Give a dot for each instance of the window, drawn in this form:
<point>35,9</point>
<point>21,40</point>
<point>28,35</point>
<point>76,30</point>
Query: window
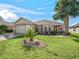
<point>49,29</point>
<point>45,28</point>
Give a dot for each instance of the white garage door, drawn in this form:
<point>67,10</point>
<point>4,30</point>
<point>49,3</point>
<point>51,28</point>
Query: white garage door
<point>22,28</point>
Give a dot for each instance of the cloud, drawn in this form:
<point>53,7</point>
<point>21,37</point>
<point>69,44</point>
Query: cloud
<point>8,12</point>
<point>8,15</point>
<point>16,9</point>
<point>74,23</point>
<point>49,3</point>
<point>39,9</point>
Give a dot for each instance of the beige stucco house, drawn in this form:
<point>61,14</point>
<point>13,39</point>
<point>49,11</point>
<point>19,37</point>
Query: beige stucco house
<point>22,25</point>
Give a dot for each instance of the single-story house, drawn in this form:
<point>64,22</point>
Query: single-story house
<point>22,25</point>
<point>74,28</point>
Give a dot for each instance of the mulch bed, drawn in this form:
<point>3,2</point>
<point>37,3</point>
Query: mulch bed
<point>34,43</point>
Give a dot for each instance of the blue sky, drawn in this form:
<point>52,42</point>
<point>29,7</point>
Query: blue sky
<point>33,10</point>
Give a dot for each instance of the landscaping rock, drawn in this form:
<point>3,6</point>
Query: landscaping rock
<point>34,43</point>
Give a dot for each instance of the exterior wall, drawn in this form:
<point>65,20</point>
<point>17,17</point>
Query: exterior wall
<point>74,30</point>
<point>33,26</point>
<point>71,30</point>
<point>62,26</point>
<point>43,27</point>
<point>47,26</point>
<point>77,30</point>
<point>10,27</point>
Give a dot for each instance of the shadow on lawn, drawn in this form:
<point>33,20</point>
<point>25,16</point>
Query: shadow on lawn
<point>76,38</point>
<point>26,48</point>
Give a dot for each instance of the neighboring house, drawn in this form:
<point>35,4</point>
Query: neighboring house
<point>9,25</point>
<point>74,28</point>
<point>22,25</point>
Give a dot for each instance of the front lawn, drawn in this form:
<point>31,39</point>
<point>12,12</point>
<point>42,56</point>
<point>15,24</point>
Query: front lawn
<point>58,48</point>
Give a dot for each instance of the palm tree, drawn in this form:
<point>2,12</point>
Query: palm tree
<point>64,9</point>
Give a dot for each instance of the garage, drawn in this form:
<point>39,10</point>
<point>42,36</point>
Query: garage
<point>22,28</point>
<point>22,25</point>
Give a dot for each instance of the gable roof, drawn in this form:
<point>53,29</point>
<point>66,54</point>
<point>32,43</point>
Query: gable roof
<point>21,18</point>
<point>41,22</point>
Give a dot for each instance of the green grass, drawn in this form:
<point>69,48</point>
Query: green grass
<point>58,48</point>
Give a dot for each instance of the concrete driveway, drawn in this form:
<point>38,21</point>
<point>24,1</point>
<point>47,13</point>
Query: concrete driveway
<point>9,35</point>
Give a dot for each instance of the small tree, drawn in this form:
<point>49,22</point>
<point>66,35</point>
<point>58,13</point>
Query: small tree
<point>31,33</point>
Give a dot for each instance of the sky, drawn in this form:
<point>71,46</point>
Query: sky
<point>32,10</point>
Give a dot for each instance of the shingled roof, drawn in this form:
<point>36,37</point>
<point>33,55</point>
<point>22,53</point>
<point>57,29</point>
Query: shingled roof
<point>47,22</point>
<point>76,25</point>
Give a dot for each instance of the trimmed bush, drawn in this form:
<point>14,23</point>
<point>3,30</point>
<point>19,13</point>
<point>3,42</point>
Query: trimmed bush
<point>53,32</point>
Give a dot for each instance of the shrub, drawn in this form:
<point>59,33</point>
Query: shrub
<point>53,32</point>
<point>3,29</point>
<point>31,33</point>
